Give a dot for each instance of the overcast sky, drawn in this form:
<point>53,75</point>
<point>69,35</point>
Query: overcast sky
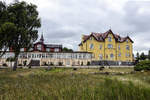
<point>64,21</point>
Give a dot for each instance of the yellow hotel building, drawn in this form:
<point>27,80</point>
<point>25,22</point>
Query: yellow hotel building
<point>108,46</point>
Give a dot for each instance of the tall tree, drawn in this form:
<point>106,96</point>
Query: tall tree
<point>142,56</point>
<point>18,27</point>
<point>137,56</point>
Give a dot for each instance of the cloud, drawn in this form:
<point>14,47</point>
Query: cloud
<point>64,21</point>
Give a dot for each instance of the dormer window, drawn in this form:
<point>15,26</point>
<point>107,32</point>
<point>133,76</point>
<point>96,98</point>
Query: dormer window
<point>90,38</point>
<point>109,38</point>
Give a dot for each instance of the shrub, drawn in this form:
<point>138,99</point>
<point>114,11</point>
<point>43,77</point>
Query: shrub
<point>19,64</point>
<point>29,67</point>
<point>142,65</point>
<point>45,64</point>
<point>81,63</point>
<point>5,64</point>
<point>51,64</point>
<point>101,68</point>
<point>74,69</point>
<point>25,63</point>
<point>88,63</point>
<point>60,63</point>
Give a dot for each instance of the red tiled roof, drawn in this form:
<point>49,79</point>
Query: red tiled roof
<point>102,36</point>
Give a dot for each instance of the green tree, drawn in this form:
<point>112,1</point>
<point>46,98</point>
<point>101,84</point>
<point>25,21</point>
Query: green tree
<point>137,56</point>
<point>65,49</point>
<point>142,56</point>
<point>18,27</point>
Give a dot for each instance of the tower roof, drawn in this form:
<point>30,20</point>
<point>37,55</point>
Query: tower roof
<point>42,38</point>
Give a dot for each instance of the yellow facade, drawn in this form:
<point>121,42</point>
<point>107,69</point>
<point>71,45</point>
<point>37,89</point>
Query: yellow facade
<point>110,49</point>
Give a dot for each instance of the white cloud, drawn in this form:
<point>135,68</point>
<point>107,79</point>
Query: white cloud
<point>64,21</point>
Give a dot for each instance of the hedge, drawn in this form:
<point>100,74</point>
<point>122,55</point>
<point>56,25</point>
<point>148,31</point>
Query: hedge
<point>142,65</point>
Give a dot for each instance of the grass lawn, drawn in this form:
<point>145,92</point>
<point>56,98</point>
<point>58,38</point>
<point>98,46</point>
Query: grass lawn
<point>67,84</point>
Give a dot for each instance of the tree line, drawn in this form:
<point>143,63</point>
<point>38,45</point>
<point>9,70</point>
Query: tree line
<point>143,56</point>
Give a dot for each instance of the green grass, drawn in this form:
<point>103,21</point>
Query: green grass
<point>66,84</point>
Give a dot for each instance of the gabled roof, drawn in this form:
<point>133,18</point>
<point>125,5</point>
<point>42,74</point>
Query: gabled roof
<point>101,37</point>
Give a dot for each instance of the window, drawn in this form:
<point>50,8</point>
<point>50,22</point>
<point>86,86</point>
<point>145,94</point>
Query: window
<point>111,56</point>
<point>127,41</point>
<point>39,47</point>
<point>91,46</point>
<point>106,56</point>
<point>127,47</point>
<point>118,47</point>
<point>100,56</point>
<point>110,46</point>
<point>119,55</point>
<point>56,49</point>
<point>100,46</point>
<point>127,55</point>
<point>109,38</point>
<point>48,49</point>
<point>90,38</point>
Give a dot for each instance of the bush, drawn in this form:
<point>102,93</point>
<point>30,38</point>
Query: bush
<point>60,63</point>
<point>74,69</point>
<point>81,63</point>
<point>51,64</point>
<point>19,64</point>
<point>45,64</point>
<point>88,63</point>
<point>143,65</point>
<point>29,67</point>
<point>5,65</point>
<point>101,68</point>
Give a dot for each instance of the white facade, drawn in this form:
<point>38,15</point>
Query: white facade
<point>67,58</point>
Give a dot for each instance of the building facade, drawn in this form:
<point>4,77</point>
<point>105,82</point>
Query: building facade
<point>108,46</point>
<point>42,54</point>
<point>42,47</point>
